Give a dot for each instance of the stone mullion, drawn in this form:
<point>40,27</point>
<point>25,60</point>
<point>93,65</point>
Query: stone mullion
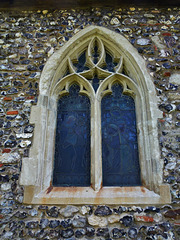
<point>96,152</point>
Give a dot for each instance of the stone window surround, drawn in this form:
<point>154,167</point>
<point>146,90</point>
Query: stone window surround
<point>36,173</point>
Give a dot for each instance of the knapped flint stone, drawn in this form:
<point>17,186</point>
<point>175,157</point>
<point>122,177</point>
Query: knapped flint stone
<point>44,223</point>
<point>5,186</point>
<point>151,209</point>
<point>67,233</point>
<point>12,91</point>
<point>31,92</point>
<point>103,211</point>
<point>7,235</point>
<point>42,207</point>
<point>170,166</point>
<point>1,123</point>
<point>166,107</point>
<point>66,223</point>
<point>5,211</point>
<point>132,233</point>
<point>28,35</point>
<point>4,178</point>
<point>170,179</point>
<point>71,238</point>
<point>24,135</point>
<point>41,234</point>
<point>85,210</point>
<point>33,212</point>
<point>170,41</point>
<point>31,233</point>
<point>79,221</point>
<point>178,179</point>
<point>69,211</point>
<point>151,230</point>
<point>10,144</point>
<point>178,231</point>
<point>166,65</point>
<point>178,116</point>
<point>10,117</point>
<point>40,35</point>
<point>18,84</point>
<point>129,21</point>
<point>10,157</point>
<point>135,209</point>
<point>7,203</point>
<point>177,124</point>
<point>151,67</point>
<point>143,41</point>
<point>143,230</point>
<point>19,99</point>
<point>102,232</point>
<point>32,224</point>
<point>79,233</point>
<point>54,223</point>
<point>173,214</point>
<point>21,214</point>
<point>117,233</point>
<point>126,220</point>
<point>113,218</point>
<point>90,231</point>
<point>53,234</point>
<point>7,124</point>
<point>7,131</point>
<point>52,212</point>
<point>177,58</point>
<point>26,61</point>
<point>114,21</point>
<point>31,68</point>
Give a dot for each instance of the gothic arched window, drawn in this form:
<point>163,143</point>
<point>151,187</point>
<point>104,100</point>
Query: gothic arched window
<point>118,142</point>
<point>97,118</point>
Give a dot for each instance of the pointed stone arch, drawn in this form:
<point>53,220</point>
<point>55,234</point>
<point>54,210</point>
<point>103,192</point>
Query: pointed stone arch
<point>36,174</point>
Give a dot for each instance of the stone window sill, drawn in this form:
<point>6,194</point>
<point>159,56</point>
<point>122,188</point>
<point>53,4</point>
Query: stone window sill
<point>106,195</point>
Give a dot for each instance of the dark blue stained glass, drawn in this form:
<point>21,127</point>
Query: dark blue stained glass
<point>72,147</point>
<point>81,64</point>
<point>120,159</point>
<point>95,82</point>
<point>110,63</point>
<point>95,54</point>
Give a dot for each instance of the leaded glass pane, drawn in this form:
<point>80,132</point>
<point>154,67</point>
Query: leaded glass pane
<point>72,147</point>
<point>119,140</point>
<point>110,64</point>
<point>81,63</point>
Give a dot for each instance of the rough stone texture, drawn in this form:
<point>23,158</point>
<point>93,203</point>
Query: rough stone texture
<point>69,211</point>
<point>28,39</point>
